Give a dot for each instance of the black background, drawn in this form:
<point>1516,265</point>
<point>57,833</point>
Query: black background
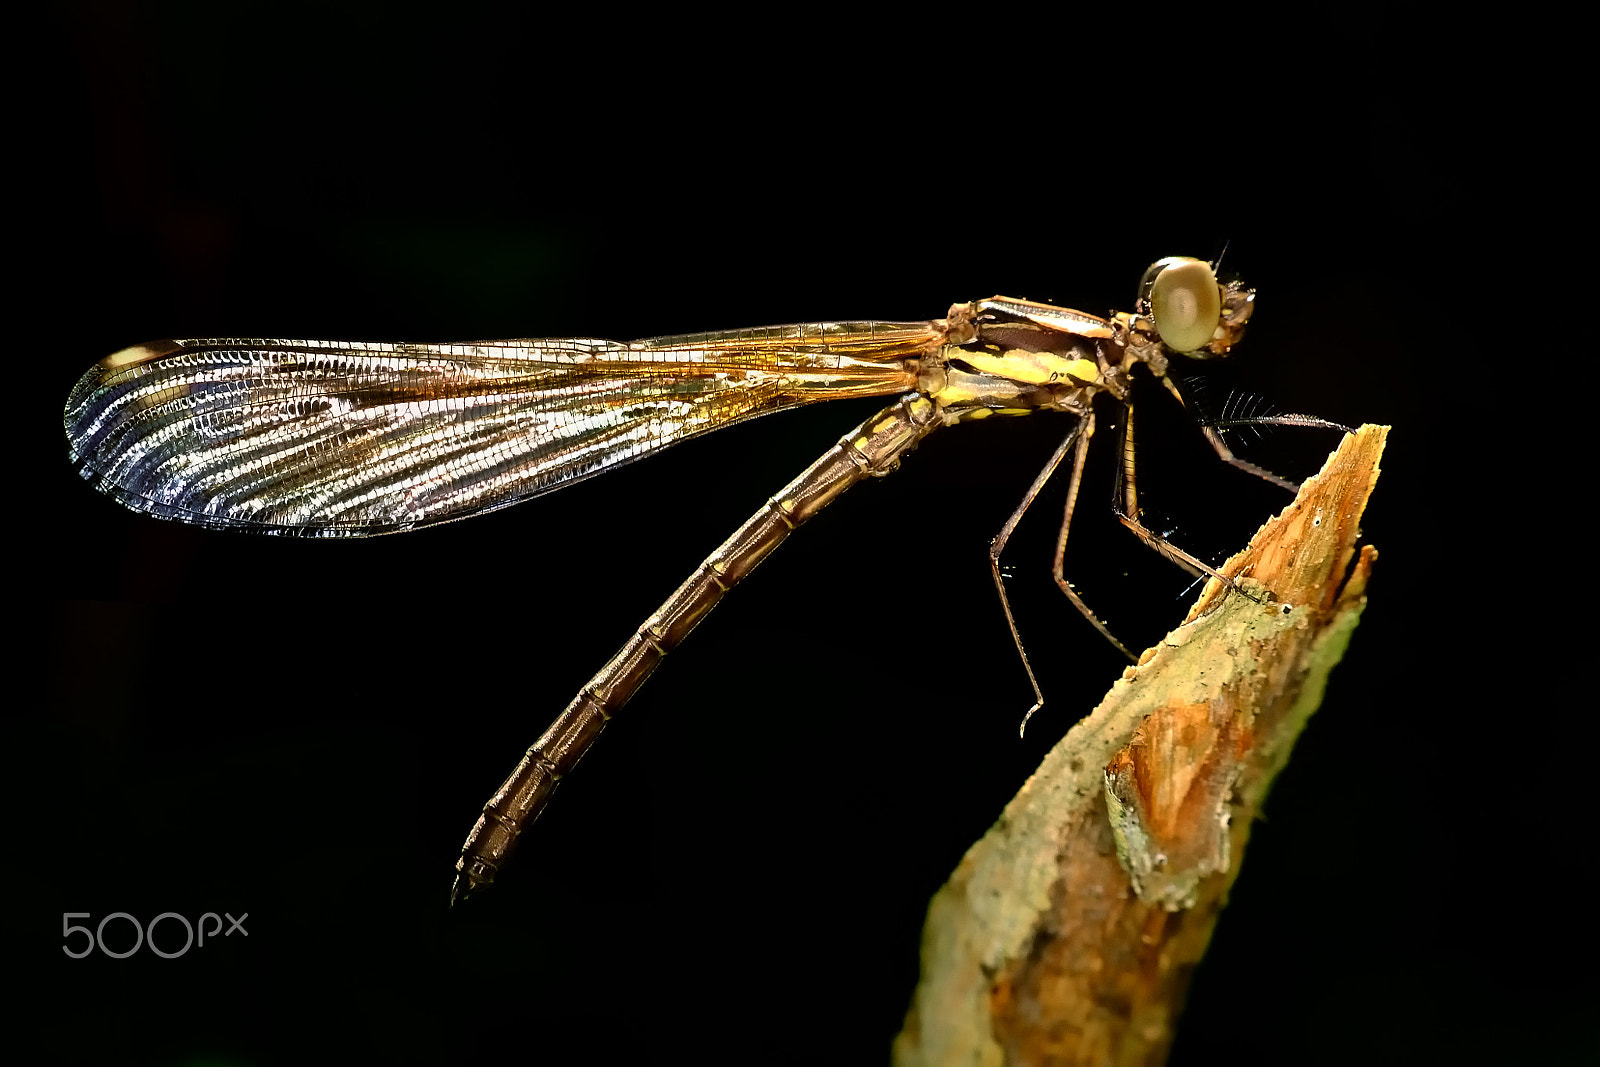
<point>305,731</point>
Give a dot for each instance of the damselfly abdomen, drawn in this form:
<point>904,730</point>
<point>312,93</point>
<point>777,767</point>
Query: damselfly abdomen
<point>343,439</point>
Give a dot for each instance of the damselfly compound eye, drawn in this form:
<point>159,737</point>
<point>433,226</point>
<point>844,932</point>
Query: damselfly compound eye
<point>1185,303</point>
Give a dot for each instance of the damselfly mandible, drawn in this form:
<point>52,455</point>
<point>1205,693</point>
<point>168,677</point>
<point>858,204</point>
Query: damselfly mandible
<point>344,439</point>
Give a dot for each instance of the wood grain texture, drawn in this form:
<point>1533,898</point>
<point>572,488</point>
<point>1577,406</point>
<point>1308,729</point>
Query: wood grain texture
<point>1069,933</point>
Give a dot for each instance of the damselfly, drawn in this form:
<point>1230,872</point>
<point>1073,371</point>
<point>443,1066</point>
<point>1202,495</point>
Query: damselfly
<point>345,439</point>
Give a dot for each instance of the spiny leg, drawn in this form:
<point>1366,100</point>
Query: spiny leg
<point>1081,432</point>
<point>1209,428</point>
<point>1125,504</point>
<point>1059,569</point>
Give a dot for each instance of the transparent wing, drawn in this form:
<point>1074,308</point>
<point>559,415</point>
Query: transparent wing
<point>325,438</point>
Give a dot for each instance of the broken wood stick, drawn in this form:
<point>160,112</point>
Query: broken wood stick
<point>1069,932</point>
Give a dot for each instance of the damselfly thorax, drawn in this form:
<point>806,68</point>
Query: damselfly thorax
<point>346,439</point>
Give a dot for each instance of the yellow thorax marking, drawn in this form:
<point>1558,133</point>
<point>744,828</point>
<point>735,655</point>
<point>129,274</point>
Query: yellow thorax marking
<point>1033,368</point>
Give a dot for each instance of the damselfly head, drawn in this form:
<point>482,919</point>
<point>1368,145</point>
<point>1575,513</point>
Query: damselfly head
<point>1190,311</point>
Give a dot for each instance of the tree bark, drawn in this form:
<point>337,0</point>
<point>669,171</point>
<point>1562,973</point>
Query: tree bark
<point>1069,933</point>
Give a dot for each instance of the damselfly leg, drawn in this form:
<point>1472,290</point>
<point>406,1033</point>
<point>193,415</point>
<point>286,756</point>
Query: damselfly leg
<point>1081,433</point>
<point>1125,506</point>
